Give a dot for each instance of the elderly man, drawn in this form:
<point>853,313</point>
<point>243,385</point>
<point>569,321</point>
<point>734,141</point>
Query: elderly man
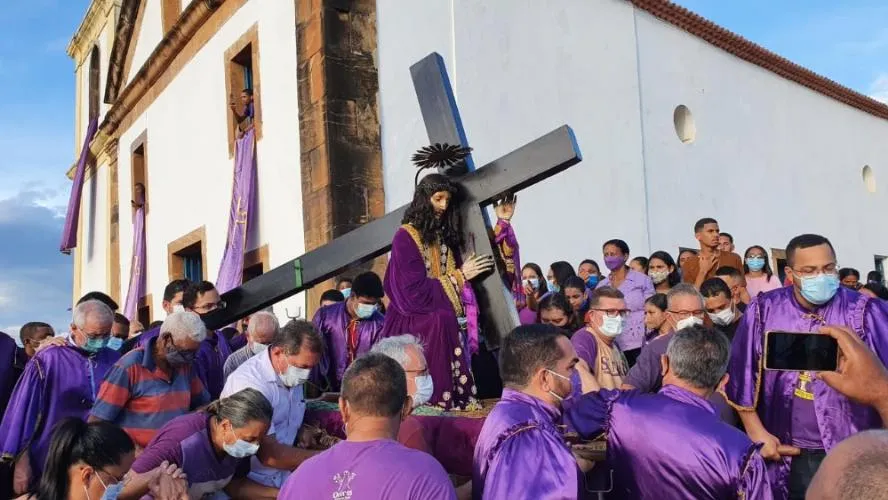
<point>155,383</point>
<point>370,464</point>
<point>795,414</point>
<point>261,330</point>
<point>349,328</point>
<point>672,443</point>
<point>203,298</point>
<point>279,374</point>
<point>58,382</point>
<point>595,343</point>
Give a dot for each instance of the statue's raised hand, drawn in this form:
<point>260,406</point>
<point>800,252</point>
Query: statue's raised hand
<point>505,206</point>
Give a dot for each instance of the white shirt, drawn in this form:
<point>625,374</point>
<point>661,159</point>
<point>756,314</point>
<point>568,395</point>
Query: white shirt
<point>288,406</point>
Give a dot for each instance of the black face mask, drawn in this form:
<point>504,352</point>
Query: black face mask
<point>176,357</point>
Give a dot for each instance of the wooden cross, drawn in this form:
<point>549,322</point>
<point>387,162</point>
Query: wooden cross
<point>526,166</point>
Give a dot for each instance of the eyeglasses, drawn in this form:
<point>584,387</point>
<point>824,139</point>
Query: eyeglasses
<point>811,271</point>
<point>613,313</point>
<point>423,372</point>
<point>211,306</point>
<point>687,314</point>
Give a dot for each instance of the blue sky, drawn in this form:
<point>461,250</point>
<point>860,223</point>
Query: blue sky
<point>846,41</point>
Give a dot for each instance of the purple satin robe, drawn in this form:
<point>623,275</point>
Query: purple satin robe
<point>210,363</point>
<point>420,306</point>
<point>332,322</point>
<point>670,445</point>
<point>521,453</point>
<point>58,382</point>
<point>771,393</point>
<point>12,365</point>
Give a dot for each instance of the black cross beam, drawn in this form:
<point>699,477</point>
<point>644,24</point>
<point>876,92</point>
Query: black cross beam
<point>527,165</point>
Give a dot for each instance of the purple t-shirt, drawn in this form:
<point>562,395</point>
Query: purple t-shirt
<point>370,470</point>
<point>185,441</point>
<point>805,432</point>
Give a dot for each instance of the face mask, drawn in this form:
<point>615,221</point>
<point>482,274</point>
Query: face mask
<point>111,492</point>
<point>258,348</point>
<point>658,276</point>
<point>556,396</point>
<point>755,263</point>
<point>688,322</point>
<point>294,376</point>
<point>364,311</point>
<point>611,327</point>
<point>819,289</point>
<point>115,343</point>
<point>723,317</point>
<point>533,282</point>
<point>346,292</point>
<point>176,357</point>
<point>614,263</point>
<point>94,344</point>
<point>240,448</point>
<point>178,308</point>
<point>553,287</point>
<point>424,389</point>
<point>591,282</point>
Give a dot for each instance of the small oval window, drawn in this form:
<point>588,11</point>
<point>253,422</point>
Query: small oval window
<point>684,124</point>
<point>869,179</point>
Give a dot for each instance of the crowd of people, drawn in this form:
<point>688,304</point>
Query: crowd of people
<point>659,360</point>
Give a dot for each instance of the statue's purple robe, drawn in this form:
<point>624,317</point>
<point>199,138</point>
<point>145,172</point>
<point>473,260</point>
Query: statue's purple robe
<point>332,322</point>
<point>58,382</point>
<point>521,453</point>
<point>670,445</point>
<point>420,306</point>
<point>770,393</point>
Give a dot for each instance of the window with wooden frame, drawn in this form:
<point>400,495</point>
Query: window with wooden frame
<point>187,256</point>
<point>255,263</point>
<point>170,11</point>
<point>242,87</point>
<point>139,170</point>
<point>144,313</point>
<point>95,63</point>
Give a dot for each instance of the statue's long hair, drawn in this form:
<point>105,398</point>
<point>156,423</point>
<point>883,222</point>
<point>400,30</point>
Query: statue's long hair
<point>421,214</point>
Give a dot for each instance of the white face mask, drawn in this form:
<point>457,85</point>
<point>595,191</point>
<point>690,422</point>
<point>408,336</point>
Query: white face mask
<point>178,308</point>
<point>611,326</point>
<point>258,348</point>
<point>658,276</point>
<point>294,376</point>
<point>424,389</point>
<point>723,317</point>
<point>688,322</point>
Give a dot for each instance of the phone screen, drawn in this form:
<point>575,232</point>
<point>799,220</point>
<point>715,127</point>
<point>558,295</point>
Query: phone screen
<point>796,351</point>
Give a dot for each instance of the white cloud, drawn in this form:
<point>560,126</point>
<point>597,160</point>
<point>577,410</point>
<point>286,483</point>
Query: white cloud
<point>878,90</point>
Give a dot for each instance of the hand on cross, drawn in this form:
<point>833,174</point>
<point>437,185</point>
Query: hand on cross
<point>505,206</point>
<point>476,265</point>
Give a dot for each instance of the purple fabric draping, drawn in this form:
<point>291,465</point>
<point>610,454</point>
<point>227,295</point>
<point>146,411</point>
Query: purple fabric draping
<point>137,267</point>
<point>771,393</point>
<point>451,439</point>
<point>470,304</point>
<point>231,271</point>
<point>72,217</point>
<point>420,306</point>
<point>332,322</point>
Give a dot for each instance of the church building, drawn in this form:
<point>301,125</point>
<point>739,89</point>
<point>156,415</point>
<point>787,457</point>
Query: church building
<point>676,117</point>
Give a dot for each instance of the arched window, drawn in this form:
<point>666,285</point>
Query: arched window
<point>94,72</point>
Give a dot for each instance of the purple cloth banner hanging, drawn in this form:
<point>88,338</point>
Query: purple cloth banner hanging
<point>72,218</point>
<point>137,267</point>
<point>242,203</point>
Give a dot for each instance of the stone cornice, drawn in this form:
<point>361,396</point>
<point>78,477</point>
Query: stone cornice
<point>89,29</point>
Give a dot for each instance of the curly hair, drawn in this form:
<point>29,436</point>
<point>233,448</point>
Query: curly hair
<point>421,214</point>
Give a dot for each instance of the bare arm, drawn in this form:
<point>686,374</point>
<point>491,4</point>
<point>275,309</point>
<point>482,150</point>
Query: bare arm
<point>280,456</point>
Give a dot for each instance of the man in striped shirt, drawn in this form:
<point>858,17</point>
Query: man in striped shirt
<point>155,383</point>
<point>261,330</point>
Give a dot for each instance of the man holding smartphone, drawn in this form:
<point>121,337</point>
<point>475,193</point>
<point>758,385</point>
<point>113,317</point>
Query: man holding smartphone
<point>796,415</point>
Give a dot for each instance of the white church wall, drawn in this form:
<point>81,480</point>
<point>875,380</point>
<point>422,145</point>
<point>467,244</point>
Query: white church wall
<point>93,242</point>
<point>771,158</point>
<point>187,153</point>
<point>150,34</point>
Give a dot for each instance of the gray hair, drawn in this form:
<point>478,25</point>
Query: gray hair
<point>683,289</point>
<point>264,319</point>
<point>184,325</point>
<point>242,407</point>
<point>699,356</point>
<point>396,347</point>
<point>94,309</point>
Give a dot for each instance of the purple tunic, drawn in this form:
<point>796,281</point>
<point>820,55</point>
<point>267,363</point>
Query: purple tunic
<point>332,322</point>
<point>835,416</point>
<point>636,288</point>
<point>420,306</point>
<point>670,445</point>
<point>12,365</point>
<point>369,470</point>
<point>521,453</point>
<point>210,362</point>
<point>58,382</point>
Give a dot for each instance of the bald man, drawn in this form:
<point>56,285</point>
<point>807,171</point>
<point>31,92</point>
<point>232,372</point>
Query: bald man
<point>855,469</point>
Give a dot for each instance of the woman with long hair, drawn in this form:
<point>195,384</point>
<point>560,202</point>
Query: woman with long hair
<point>428,285</point>
<point>555,310</point>
<point>849,278</point>
<point>636,288</point>
<point>575,293</point>
<point>663,271</point>
<point>534,288</point>
<point>759,277</point>
<point>590,272</point>
<point>655,323</point>
<point>558,274</point>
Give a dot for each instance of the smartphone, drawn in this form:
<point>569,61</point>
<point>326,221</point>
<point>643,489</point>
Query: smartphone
<point>800,351</point>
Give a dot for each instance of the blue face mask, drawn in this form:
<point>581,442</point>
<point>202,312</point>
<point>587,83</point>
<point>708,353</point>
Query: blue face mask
<point>112,492</point>
<point>553,287</point>
<point>115,343</point>
<point>755,263</point>
<point>364,311</point>
<point>346,292</point>
<point>94,344</point>
<point>819,289</point>
<point>591,281</point>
